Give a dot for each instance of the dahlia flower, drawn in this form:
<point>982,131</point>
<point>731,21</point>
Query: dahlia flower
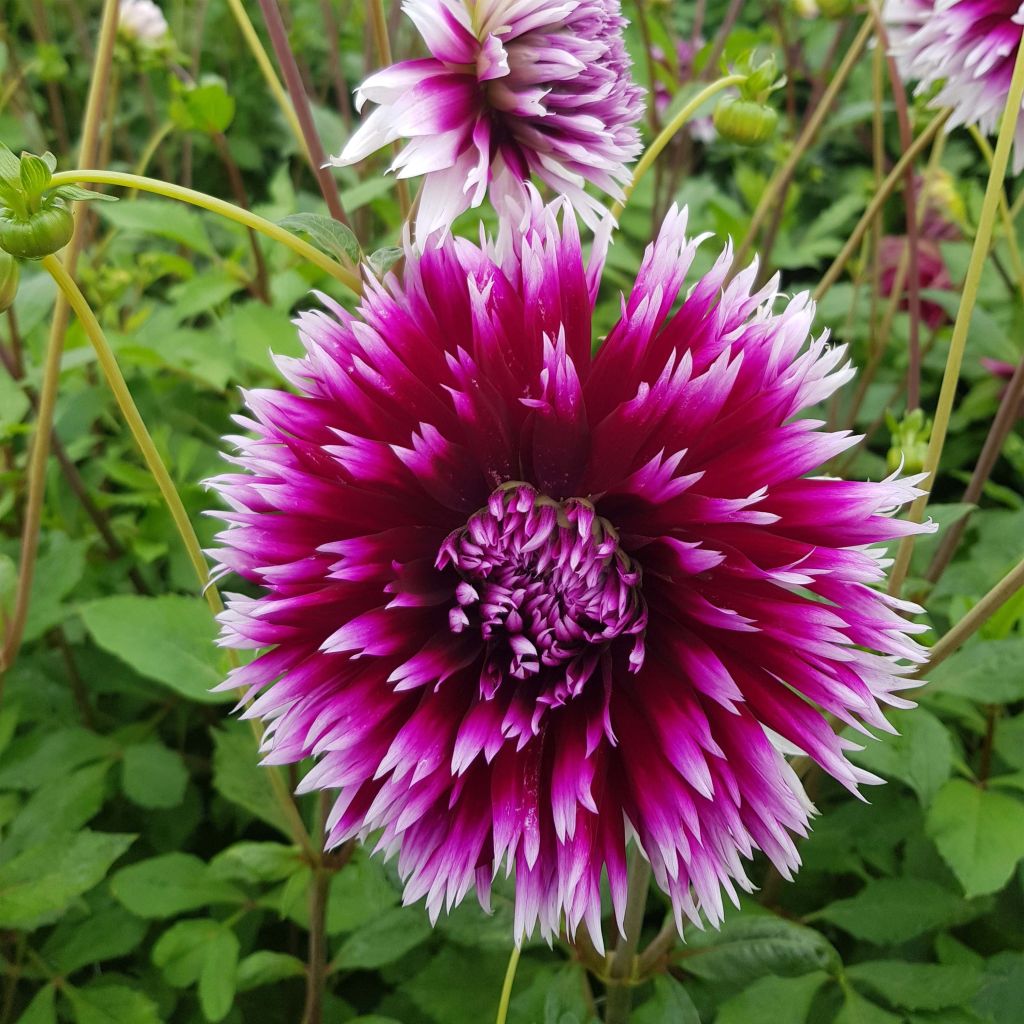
<point>142,20</point>
<point>967,45</point>
<point>524,602</point>
<point>512,88</point>
<point>931,274</point>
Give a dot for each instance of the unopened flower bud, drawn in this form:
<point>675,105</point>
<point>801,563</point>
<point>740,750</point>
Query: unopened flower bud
<point>142,20</point>
<point>9,277</point>
<point>745,122</point>
<point>38,234</point>
<point>909,441</point>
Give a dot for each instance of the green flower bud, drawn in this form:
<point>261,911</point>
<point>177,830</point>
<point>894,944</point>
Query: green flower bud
<point>908,441</point>
<point>9,275</point>
<point>38,234</point>
<point>745,121</point>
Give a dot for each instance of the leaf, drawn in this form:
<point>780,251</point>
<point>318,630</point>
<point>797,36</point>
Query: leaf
<point>779,1000</point>
<point>44,879</point>
<point>267,968</point>
<point>170,884</point>
<point>334,238</point>
<point>670,1002</point>
<point>890,911</point>
<point>748,948</point>
<point>158,217</point>
<point>980,834</point>
<point>42,1009</point>
<point>169,639</point>
<point>239,777</point>
<point>257,862</point>
<point>34,175</point>
<point>58,572</point>
<point>987,671</point>
<point>107,934</point>
<point>43,758</point>
<point>181,951</point>
<point>153,776</point>
<point>918,986</point>
<point>858,1010</point>
<point>111,1004</point>
<point>384,940</point>
<point>217,980</point>
<point>359,894</point>
<point>77,194</point>
<point>10,165</point>
<point>207,108</point>
<point>381,261</point>
<point>921,755</point>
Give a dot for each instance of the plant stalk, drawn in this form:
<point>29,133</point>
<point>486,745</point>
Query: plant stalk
<point>622,966</point>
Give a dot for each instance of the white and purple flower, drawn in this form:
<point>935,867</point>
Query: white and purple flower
<point>968,48</point>
<point>512,90</point>
<point>142,20</point>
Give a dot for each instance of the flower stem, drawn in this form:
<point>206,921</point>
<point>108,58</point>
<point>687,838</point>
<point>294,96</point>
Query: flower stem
<point>244,217</point>
<point>95,103</point>
<point>119,386</point>
<point>780,180</point>
<point>668,133</point>
<point>506,988</point>
<point>1004,211</point>
<point>958,342</point>
<point>878,200</point>
<point>266,66</point>
<point>622,968</point>
<point>1009,585</point>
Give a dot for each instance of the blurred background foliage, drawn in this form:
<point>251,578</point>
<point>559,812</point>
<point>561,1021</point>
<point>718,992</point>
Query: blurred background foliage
<point>146,873</point>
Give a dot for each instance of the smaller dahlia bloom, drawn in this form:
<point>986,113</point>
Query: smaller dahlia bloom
<point>512,89</point>
<point>967,46</point>
<point>931,274</point>
<point>142,20</point>
<point>526,602</point>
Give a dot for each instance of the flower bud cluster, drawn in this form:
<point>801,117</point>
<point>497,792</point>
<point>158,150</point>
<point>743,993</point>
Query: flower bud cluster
<point>747,119</point>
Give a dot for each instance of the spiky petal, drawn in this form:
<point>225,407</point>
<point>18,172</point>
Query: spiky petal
<point>524,602</point>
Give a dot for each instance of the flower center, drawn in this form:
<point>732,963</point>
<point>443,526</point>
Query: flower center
<point>548,587</point>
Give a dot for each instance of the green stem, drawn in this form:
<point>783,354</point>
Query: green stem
<point>144,440</point>
<point>506,988</point>
<point>1009,585</point>
<point>958,342</point>
<point>94,106</point>
<point>266,66</point>
<point>1004,210</point>
<point>244,217</point>
<point>152,146</point>
<point>780,180</point>
<point>878,200</point>
<point>669,132</point>
<point>622,968</point>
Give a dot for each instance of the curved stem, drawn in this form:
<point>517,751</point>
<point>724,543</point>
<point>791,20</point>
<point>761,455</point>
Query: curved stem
<point>780,180</point>
<point>1012,582</point>
<point>958,342</point>
<point>155,141</point>
<point>244,217</point>
<point>266,66</point>
<point>669,131</point>
<point>506,988</point>
<point>877,202</point>
<point>119,386</point>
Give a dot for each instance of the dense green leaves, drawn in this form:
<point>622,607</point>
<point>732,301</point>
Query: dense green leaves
<point>169,885</point>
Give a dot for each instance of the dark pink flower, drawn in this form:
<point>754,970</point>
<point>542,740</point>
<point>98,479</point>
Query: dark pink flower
<point>523,601</point>
<point>968,46</point>
<point>931,273</point>
<point>511,89</point>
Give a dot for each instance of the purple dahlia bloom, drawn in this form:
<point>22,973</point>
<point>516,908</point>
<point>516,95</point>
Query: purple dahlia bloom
<point>511,89</point>
<point>967,45</point>
<point>524,602</point>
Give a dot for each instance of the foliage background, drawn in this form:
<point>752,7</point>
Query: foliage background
<point>146,873</point>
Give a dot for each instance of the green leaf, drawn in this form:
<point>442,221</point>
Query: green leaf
<point>107,934</point>
<point>44,879</point>
<point>111,1004</point>
<point>158,217</point>
<point>267,968</point>
<point>748,948</point>
<point>58,573</point>
<point>921,755</point>
<point>77,194</point>
<point>779,1000</point>
<point>980,834</point>
<point>206,108</point>
<point>153,776</point>
<point>42,1009</point>
<point>890,911</point>
<point>333,237</point>
<point>45,758</point>
<point>381,261</point>
<point>217,980</point>
<point>169,639</point>
<point>10,165</point>
<point>987,671</point>
<point>34,175</point>
<point>918,986</point>
<point>239,777</point>
<point>858,1010</point>
<point>170,884</point>
<point>384,940</point>
<point>359,894</point>
<point>181,951</point>
<point>256,862</point>
<point>670,1002</point>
